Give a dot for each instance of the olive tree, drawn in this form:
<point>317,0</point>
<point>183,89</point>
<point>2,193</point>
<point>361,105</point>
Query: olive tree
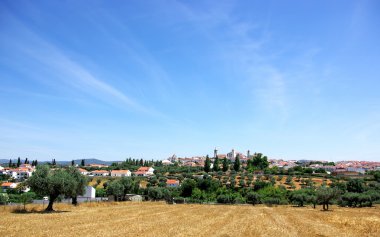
<point>80,184</point>
<point>325,195</point>
<point>52,183</point>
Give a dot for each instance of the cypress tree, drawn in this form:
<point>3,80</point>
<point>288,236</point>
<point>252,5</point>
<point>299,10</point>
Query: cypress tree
<point>207,164</point>
<point>237,163</point>
<point>225,165</point>
<point>216,164</point>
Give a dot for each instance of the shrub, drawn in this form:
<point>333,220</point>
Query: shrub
<point>253,198</point>
<point>269,201</point>
<point>4,198</point>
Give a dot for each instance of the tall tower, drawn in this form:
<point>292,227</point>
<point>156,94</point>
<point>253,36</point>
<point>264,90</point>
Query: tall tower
<point>248,154</point>
<point>215,153</point>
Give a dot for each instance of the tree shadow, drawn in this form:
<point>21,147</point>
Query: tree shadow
<point>33,211</point>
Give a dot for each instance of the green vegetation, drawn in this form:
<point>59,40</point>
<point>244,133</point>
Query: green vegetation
<point>56,182</point>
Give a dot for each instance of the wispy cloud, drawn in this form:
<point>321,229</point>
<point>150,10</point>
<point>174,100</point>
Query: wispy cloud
<point>64,69</point>
<point>131,46</point>
<point>242,44</point>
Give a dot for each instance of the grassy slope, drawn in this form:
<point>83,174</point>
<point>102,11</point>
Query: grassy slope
<point>159,219</point>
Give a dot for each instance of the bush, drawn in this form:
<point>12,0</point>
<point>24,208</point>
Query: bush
<point>269,201</point>
<point>4,198</point>
<point>298,198</point>
<point>260,185</point>
<point>253,198</point>
<point>288,179</point>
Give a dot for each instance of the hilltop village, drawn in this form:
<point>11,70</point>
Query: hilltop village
<point>233,177</point>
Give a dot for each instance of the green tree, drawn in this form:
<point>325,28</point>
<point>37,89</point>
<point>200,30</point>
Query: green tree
<point>225,165</point>
<point>100,192</point>
<point>207,164</point>
<point>82,163</point>
<point>72,163</point>
<point>26,198</point>
<point>237,163</point>
<point>216,164</point>
<point>355,186</point>
<point>10,163</point>
<point>187,187</point>
<point>376,176</point>
<point>298,197</point>
<point>52,183</point>
<point>259,161</point>
<point>80,184</point>
<point>325,195</point>
<point>155,193</point>
<point>128,185</point>
<point>4,198</point>
<point>18,162</point>
<point>116,189</point>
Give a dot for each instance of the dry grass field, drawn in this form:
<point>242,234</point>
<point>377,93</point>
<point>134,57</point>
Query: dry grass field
<point>160,219</point>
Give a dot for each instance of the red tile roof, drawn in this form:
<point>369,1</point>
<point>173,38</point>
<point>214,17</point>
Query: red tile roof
<point>6,184</point>
<point>172,181</point>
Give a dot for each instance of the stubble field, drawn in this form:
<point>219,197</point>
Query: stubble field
<point>160,219</point>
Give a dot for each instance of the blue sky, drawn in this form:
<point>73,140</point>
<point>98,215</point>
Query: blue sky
<point>147,79</point>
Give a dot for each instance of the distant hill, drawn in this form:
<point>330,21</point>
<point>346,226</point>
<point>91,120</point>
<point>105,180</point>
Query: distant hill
<point>77,161</point>
<point>91,161</point>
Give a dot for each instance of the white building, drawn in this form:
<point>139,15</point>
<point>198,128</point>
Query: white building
<point>144,171</point>
<point>231,155</point>
<point>83,171</point>
<point>100,173</point>
<point>167,162</point>
<point>120,173</point>
<point>23,173</point>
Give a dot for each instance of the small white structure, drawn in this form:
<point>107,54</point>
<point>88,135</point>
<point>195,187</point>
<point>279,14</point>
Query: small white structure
<point>120,173</point>
<point>1,168</point>
<point>136,198</point>
<point>89,194</point>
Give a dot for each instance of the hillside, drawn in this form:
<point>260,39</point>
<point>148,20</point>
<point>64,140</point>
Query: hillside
<point>159,219</point>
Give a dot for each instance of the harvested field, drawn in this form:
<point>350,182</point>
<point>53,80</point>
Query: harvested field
<point>160,219</point>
